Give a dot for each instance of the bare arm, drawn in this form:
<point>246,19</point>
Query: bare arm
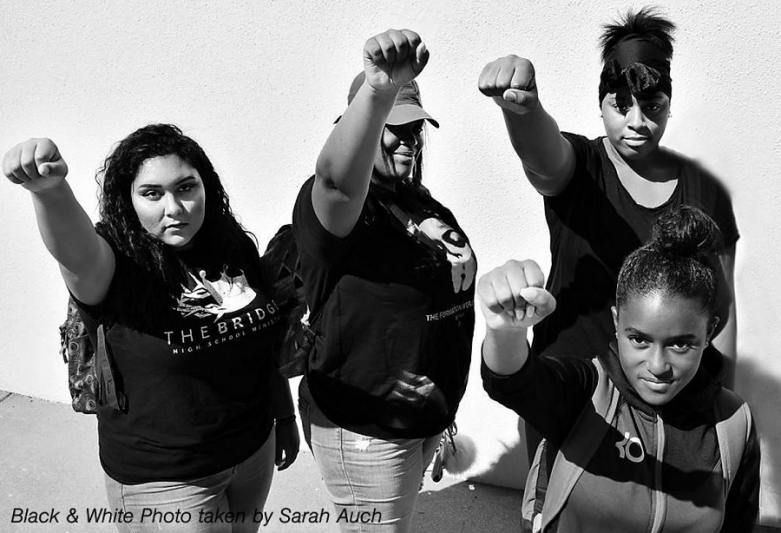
<point>86,260</point>
<point>726,341</point>
<point>287,437</point>
<point>547,157</point>
<point>344,167</point>
<point>512,300</point>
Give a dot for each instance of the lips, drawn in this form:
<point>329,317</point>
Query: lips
<point>656,385</point>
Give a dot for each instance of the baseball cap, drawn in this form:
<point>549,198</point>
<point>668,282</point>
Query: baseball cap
<point>407,107</point>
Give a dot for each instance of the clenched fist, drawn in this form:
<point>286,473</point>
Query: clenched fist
<point>510,81</point>
<point>512,296</point>
<point>35,164</point>
<point>393,58</point>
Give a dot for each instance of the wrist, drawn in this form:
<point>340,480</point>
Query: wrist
<point>381,95</point>
<point>505,351</point>
<point>285,420</point>
<point>49,192</point>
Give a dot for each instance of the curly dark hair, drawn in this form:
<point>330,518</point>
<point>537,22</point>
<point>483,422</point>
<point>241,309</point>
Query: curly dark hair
<point>680,259</point>
<point>158,265</point>
<point>648,23</point>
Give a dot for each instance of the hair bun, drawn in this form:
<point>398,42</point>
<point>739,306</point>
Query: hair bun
<point>686,231</point>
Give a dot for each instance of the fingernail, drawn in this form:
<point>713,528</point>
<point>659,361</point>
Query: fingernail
<point>530,309</point>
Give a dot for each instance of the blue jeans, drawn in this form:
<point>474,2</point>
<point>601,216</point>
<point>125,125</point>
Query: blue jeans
<point>230,501</point>
<point>374,483</point>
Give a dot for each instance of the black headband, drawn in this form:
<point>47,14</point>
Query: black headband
<point>636,63</point>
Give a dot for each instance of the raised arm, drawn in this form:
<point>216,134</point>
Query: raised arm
<point>345,164</point>
<point>86,260</point>
<point>512,300</point>
<point>547,157</point>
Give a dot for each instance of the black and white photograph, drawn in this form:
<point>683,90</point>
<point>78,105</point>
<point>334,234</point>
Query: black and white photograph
<point>406,267</point>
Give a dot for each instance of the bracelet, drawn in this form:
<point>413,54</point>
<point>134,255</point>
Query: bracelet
<point>286,420</point>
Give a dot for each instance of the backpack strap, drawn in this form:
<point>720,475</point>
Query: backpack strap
<point>107,388</point>
<point>733,426</point>
<point>578,448</point>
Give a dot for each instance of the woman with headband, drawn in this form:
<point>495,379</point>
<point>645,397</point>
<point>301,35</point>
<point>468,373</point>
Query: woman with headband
<point>602,195</point>
<point>390,272</point>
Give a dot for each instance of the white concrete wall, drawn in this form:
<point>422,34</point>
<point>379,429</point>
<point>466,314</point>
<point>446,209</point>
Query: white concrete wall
<point>258,84</point>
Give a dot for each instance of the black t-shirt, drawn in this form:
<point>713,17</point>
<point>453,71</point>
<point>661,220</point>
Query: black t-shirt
<point>196,383</point>
<point>594,225</point>
<point>399,314</point>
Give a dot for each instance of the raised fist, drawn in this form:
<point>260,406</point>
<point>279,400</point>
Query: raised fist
<point>35,164</point>
<point>393,58</point>
<point>510,81</point>
<point>512,296</point>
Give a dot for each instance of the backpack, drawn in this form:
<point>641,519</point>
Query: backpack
<point>281,267</point>
<point>560,468</point>
<point>90,374</point>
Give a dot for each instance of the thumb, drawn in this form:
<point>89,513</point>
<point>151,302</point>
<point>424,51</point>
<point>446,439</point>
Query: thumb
<point>517,96</point>
<point>421,58</point>
<point>542,300</point>
<point>55,169</point>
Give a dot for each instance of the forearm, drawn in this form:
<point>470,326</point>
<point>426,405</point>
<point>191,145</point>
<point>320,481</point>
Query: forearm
<point>281,399</point>
<point>347,159</point>
<point>68,233</point>
<point>546,155</point>
<point>505,351</point>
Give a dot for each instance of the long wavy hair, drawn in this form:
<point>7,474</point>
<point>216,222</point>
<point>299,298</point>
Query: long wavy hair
<point>158,267</point>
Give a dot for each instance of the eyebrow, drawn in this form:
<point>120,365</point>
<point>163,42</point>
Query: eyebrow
<point>683,337</point>
<point>184,179</point>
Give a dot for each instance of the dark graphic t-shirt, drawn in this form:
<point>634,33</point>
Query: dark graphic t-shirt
<point>594,225</point>
<point>393,356</point>
<point>196,382</point>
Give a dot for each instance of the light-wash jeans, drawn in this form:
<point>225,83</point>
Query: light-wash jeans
<point>374,483</point>
<point>206,505</point>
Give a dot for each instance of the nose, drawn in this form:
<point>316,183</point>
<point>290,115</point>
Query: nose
<point>657,362</point>
<point>636,118</point>
<point>407,136</point>
<point>173,206</point>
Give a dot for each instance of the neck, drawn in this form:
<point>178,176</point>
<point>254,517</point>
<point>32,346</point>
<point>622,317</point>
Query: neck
<point>655,167</point>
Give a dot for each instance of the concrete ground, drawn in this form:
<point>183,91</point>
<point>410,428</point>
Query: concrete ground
<point>49,463</point>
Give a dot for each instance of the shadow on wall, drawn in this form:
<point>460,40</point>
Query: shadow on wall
<point>763,393</point>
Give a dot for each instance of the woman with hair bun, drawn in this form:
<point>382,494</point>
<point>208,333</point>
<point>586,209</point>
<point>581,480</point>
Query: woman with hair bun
<point>671,449</point>
<point>602,195</point>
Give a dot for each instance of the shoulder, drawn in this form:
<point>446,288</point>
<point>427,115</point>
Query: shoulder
<point>590,157</point>
<point>700,187</point>
<point>582,145</point>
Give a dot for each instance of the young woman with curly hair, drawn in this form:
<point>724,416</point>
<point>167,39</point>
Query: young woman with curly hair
<point>174,281</point>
